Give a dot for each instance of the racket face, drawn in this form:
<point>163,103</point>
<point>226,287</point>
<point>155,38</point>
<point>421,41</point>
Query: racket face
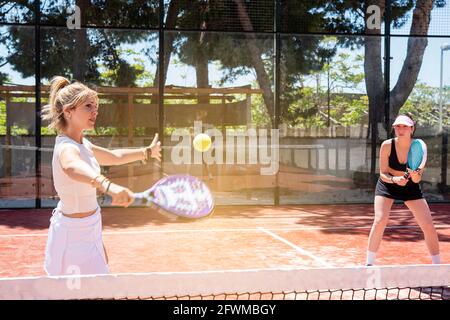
<point>184,196</point>
<point>416,154</point>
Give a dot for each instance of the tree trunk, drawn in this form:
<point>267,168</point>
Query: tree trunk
<point>373,74</point>
<point>410,69</point>
<point>201,63</point>
<point>374,78</point>
<point>255,52</point>
<point>408,75</point>
<point>373,70</point>
<point>81,46</point>
<point>171,20</point>
<point>201,69</point>
<point>414,57</point>
<point>169,37</point>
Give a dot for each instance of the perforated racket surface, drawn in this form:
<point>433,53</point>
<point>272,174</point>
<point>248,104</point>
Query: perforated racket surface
<point>417,156</point>
<point>182,195</point>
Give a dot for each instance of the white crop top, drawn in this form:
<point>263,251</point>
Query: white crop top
<point>74,196</point>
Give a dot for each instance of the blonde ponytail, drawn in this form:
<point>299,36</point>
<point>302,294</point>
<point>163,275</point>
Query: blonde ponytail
<point>63,96</point>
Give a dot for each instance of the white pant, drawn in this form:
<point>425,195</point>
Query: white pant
<point>75,246</point>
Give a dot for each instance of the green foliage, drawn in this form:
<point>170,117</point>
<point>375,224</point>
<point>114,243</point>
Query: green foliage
<point>18,131</point>
<point>47,132</point>
<point>107,62</point>
<point>345,72</point>
<point>62,47</point>
<point>303,111</point>
<point>354,111</point>
<point>259,113</point>
<point>423,105</point>
<point>310,108</point>
<point>124,73</point>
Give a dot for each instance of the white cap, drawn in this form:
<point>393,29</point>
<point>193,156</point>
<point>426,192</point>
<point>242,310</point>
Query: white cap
<point>405,120</point>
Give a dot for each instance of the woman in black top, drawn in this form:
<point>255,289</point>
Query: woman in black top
<point>392,185</point>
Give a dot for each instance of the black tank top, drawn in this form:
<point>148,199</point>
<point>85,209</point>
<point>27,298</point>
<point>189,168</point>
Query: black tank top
<point>393,160</point>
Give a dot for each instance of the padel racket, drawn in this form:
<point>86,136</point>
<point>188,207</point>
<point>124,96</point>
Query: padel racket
<point>417,156</point>
<point>180,195</point>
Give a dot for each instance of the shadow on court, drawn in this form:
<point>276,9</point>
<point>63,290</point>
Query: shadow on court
<point>39,219</point>
<point>351,219</point>
<point>357,219</point>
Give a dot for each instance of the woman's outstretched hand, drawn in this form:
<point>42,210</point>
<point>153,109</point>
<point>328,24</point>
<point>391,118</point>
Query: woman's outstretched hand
<point>155,148</point>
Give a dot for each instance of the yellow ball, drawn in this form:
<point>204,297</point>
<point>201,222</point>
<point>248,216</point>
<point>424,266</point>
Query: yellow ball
<point>202,142</point>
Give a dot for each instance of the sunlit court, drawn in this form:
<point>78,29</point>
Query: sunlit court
<point>234,237</point>
<point>227,150</point>
<point>243,238</point>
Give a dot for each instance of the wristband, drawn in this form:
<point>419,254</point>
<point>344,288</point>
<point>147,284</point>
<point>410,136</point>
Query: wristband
<point>145,154</point>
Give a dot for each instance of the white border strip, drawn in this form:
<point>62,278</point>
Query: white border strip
<point>168,284</point>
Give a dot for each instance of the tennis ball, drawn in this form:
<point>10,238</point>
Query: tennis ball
<point>202,142</point>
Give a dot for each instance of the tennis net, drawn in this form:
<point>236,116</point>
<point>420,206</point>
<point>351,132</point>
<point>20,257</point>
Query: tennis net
<point>421,282</point>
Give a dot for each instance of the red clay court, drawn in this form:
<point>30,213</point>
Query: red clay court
<point>140,240</point>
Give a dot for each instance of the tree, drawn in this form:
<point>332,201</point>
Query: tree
<point>342,74</point>
<point>195,47</point>
<point>351,13</point>
<point>350,17</point>
<point>423,104</point>
<point>170,23</point>
<point>78,53</point>
<point>300,55</point>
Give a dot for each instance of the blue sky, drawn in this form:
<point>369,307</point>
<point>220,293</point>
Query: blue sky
<point>430,70</point>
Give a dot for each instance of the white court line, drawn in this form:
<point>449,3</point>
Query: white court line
<point>223,230</point>
<point>296,248</point>
<point>313,215</point>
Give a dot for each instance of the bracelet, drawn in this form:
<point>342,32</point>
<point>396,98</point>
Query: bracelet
<point>392,179</point>
<point>94,182</point>
<point>106,180</point>
<point>99,185</point>
<point>144,156</point>
<point>107,188</point>
<point>103,180</point>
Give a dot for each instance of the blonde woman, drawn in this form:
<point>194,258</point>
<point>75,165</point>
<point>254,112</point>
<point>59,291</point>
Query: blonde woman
<point>392,185</point>
<point>74,244</point>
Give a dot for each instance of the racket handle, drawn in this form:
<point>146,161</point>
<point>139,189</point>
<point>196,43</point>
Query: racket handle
<point>407,175</point>
<point>139,199</point>
<point>105,199</point>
